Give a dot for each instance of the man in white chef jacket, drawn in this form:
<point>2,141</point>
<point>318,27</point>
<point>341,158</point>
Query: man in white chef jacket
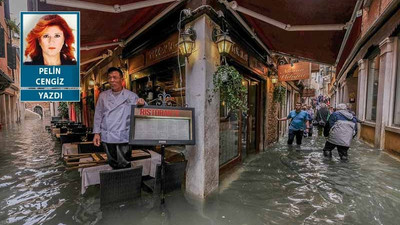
<point>112,120</point>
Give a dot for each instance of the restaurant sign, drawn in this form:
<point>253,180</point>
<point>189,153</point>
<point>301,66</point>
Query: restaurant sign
<point>239,54</point>
<point>154,125</point>
<point>258,67</point>
<point>163,51</point>
<point>297,71</point>
<point>309,92</point>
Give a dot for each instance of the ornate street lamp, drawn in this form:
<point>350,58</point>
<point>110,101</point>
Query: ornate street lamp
<point>186,42</point>
<point>223,41</point>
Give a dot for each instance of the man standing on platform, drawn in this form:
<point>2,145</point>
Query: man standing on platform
<point>299,123</point>
<point>112,120</point>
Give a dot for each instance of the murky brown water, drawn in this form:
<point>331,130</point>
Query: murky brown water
<point>279,186</point>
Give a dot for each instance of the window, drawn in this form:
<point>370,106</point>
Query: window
<point>396,113</point>
<point>2,43</point>
<point>372,87</point>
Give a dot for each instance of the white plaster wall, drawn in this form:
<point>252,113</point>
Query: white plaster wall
<point>203,158</point>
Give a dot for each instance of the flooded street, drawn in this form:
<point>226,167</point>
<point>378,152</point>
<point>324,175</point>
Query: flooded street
<point>278,186</point>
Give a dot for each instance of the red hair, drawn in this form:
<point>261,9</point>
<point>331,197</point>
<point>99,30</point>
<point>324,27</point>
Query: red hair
<point>33,48</point>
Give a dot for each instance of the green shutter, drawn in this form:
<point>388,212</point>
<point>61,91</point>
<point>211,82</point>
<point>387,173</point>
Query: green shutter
<point>11,57</point>
<point>2,43</point>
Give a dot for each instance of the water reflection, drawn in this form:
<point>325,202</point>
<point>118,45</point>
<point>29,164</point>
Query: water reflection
<point>280,186</point>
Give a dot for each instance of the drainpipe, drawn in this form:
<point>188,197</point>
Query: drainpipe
<point>326,27</point>
<point>107,8</point>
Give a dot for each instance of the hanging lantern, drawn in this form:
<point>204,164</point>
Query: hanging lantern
<point>186,42</point>
<point>274,79</point>
<point>91,83</point>
<point>224,43</point>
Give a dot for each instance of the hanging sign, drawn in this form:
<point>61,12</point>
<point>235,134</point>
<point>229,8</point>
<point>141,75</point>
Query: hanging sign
<point>50,56</point>
<point>154,125</point>
<point>295,71</point>
<point>309,92</point>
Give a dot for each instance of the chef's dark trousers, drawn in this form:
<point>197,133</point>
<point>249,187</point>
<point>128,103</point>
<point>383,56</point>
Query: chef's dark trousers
<point>118,155</point>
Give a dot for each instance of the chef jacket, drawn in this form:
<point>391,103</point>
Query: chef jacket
<point>113,114</point>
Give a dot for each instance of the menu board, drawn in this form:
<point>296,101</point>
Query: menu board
<point>153,125</point>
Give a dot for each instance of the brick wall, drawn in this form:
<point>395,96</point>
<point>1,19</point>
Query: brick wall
<point>372,13</point>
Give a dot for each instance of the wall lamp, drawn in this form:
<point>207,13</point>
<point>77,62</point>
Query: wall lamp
<point>274,79</point>
<point>186,41</point>
<point>223,41</point>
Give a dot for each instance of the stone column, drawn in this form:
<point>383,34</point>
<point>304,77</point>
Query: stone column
<point>3,109</point>
<point>384,90</point>
<point>13,113</point>
<point>51,109</point>
<point>56,112</point>
<point>202,174</point>
<point>8,117</point>
<point>345,94</point>
<point>362,88</point>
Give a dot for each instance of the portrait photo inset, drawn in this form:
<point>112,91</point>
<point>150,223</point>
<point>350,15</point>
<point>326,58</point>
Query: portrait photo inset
<point>50,42</point>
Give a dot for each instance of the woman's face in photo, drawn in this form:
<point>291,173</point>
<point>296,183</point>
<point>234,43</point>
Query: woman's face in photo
<point>52,41</point>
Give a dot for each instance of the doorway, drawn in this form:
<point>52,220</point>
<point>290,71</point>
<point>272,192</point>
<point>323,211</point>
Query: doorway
<point>240,131</point>
<point>251,118</point>
<point>38,110</point>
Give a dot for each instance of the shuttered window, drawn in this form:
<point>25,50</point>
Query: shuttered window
<point>11,57</point>
<point>2,43</point>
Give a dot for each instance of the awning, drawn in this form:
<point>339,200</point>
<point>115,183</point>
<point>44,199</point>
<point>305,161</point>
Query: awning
<point>320,46</point>
<point>101,25</point>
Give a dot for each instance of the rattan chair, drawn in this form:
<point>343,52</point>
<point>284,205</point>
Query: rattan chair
<point>174,176</point>
<point>120,185</point>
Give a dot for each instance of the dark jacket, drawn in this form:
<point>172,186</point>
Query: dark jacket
<point>322,114</point>
<point>40,61</point>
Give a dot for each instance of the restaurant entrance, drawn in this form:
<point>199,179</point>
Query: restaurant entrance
<point>240,131</point>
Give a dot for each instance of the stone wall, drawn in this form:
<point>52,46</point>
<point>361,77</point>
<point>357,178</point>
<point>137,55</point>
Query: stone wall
<point>367,134</point>
<point>272,113</point>
<point>392,141</point>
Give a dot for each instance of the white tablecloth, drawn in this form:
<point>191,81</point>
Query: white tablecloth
<point>91,175</point>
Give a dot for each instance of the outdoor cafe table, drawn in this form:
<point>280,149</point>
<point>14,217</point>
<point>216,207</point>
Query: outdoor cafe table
<point>91,175</point>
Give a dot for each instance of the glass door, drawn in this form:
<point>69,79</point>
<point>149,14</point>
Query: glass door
<point>252,116</point>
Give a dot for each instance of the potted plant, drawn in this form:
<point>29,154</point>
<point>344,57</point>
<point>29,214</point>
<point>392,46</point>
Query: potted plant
<point>279,94</point>
<point>63,110</point>
<point>228,81</point>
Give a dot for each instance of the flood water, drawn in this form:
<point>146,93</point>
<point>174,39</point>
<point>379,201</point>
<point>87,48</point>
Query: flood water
<point>279,186</point>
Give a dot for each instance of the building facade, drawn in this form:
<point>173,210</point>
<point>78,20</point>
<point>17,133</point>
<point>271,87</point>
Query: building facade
<point>11,110</point>
<point>373,61</point>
